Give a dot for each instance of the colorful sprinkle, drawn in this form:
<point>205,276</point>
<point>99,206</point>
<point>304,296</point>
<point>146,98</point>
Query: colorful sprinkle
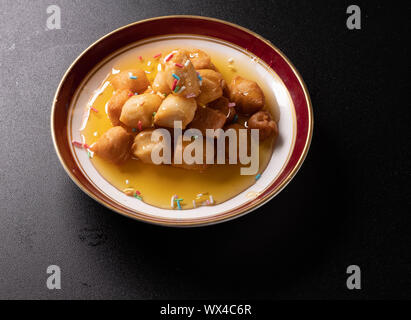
<point>136,93</point>
<point>182,89</point>
<point>174,85</point>
<point>158,55</point>
<point>94,109</point>
<point>134,130</point>
<point>235,118</point>
<point>176,76</point>
<point>89,154</point>
<point>85,145</point>
<point>199,77</point>
<point>132,77</point>
<point>172,200</point>
<point>141,58</point>
<point>77,144</point>
<point>187,63</point>
<point>211,199</point>
<point>258,176</point>
<point>231,104</point>
<point>203,199</point>
<point>140,126</point>
<point>191,95</point>
<point>176,89</point>
<point>178,203</point>
<point>169,57</point>
<point>154,114</point>
<point>179,65</point>
<point>130,94</point>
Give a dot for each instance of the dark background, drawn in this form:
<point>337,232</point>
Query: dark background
<point>349,204</point>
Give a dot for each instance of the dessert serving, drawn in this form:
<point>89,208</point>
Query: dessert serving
<point>182,121</point>
<point>185,87</point>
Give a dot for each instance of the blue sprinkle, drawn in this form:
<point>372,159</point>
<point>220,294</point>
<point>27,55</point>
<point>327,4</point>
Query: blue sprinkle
<point>178,203</point>
<point>176,76</point>
<point>136,94</point>
<point>131,76</point>
<point>134,130</point>
<point>258,176</point>
<point>235,118</point>
<point>199,77</point>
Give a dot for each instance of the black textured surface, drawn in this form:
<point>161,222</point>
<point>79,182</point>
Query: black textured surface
<point>349,204</point>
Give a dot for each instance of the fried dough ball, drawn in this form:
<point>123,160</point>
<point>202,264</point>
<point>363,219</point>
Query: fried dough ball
<point>138,110</point>
<point>207,118</point>
<point>177,68</point>
<point>175,108</point>
<point>264,123</point>
<point>221,105</point>
<point>114,145</point>
<point>160,83</point>
<point>134,80</point>
<point>194,166</point>
<point>143,146</point>
<point>200,59</point>
<point>247,95</point>
<point>115,105</point>
<point>211,86</point>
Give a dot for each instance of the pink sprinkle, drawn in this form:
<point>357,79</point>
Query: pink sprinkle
<point>169,57</point>
<point>174,85</point>
<point>231,104</point>
<point>140,125</point>
<point>94,109</point>
<point>86,146</point>
<point>138,192</point>
<point>141,58</point>
<point>77,144</point>
<point>130,94</point>
<point>158,55</point>
<point>179,65</point>
<point>191,95</point>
